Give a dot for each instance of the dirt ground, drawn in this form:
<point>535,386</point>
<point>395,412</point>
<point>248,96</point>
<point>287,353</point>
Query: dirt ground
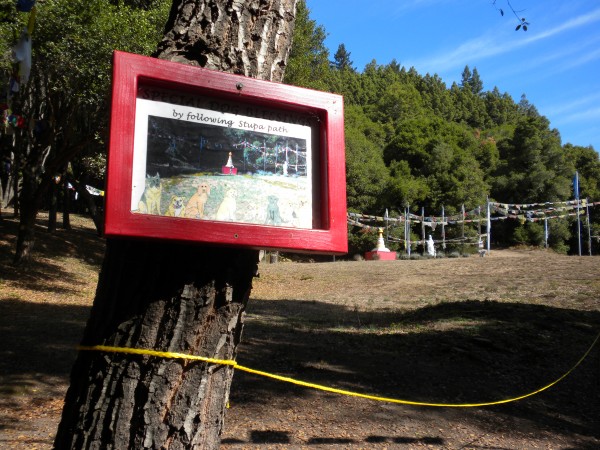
<point>447,331</point>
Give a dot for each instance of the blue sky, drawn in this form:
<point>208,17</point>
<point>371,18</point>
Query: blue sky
<point>556,63</point>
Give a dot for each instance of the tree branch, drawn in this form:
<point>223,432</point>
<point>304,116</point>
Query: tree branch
<point>523,24</point>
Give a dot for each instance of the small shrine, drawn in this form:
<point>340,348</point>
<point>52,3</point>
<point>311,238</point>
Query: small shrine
<point>380,252</point>
<point>229,168</point>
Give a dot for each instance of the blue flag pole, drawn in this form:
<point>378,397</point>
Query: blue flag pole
<point>489,226</point>
<point>587,218</point>
<point>576,190</point>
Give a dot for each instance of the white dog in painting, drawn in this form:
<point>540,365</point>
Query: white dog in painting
<point>227,208</point>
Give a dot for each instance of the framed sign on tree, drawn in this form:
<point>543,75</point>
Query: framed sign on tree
<point>215,158</point>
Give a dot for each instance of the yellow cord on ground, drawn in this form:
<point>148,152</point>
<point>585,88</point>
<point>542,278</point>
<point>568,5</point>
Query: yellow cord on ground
<point>229,362</point>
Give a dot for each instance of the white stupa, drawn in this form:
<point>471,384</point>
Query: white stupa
<point>229,161</point>
<point>381,243</point>
<point>430,247</point>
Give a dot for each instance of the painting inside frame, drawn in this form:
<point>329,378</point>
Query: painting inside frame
<point>198,159</point>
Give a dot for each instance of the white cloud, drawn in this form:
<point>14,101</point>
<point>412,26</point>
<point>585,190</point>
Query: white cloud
<point>591,114</point>
<point>576,22</point>
<point>556,60</point>
<point>581,60</point>
<point>493,43</point>
<point>574,104</point>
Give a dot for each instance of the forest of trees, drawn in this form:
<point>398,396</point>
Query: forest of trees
<point>413,140</point>
<point>56,99</point>
<point>410,141</point>
<point>410,138</point>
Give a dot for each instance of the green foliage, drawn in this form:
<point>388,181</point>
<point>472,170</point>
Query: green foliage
<point>341,59</point>
<point>586,161</point>
<point>399,102</point>
<point>412,140</point>
<point>533,164</point>
<point>436,97</point>
<point>11,24</point>
<point>455,178</point>
<point>530,233</point>
<point>558,235</point>
<point>66,42</point>
<point>469,107</point>
<point>67,95</point>
<point>487,155</point>
<point>308,64</point>
<point>360,241</point>
<point>404,188</point>
<point>471,81</point>
<point>500,108</point>
<point>366,173</point>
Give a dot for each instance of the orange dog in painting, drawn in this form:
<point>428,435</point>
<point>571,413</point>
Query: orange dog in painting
<point>195,206</point>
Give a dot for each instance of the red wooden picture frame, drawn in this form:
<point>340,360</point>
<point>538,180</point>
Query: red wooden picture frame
<point>276,150</point>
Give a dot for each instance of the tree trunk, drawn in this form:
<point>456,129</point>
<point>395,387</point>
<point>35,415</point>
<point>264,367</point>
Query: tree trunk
<point>53,210</point>
<point>167,297</point>
<point>247,37</point>
<point>26,236</point>
<point>32,191</point>
<point>15,186</point>
<point>1,199</point>
<point>90,205</point>
<point>174,297</point>
<point>66,223</point>
<point>6,156</point>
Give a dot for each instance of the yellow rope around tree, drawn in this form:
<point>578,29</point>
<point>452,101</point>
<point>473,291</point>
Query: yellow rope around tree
<point>229,362</point>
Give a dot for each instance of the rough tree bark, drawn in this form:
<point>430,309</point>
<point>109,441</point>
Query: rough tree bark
<point>33,189</point>
<point>174,297</point>
<point>248,37</point>
<point>66,224</point>
<point>88,199</point>
<point>53,209</point>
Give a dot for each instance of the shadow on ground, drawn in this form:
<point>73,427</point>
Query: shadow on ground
<point>38,336</point>
<point>451,353</point>
<point>79,242</point>
<point>460,352</point>
<point>281,437</point>
<point>468,352</point>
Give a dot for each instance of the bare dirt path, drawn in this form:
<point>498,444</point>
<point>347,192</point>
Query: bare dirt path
<point>463,330</point>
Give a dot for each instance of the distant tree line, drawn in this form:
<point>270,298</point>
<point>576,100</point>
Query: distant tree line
<point>55,121</point>
<point>410,139</point>
<point>413,140</point>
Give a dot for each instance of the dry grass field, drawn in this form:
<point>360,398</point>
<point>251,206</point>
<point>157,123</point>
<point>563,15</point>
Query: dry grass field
<point>449,331</point>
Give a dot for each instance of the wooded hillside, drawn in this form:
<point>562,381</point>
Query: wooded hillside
<point>413,140</point>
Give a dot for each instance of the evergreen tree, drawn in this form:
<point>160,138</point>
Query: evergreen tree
<point>526,108</point>
<point>366,173</point>
<point>586,161</point>
<point>533,167</point>
<point>471,81</point>
<point>475,82</point>
<point>400,101</point>
<point>341,59</point>
<point>308,64</point>
<point>496,146</point>
<point>405,188</point>
<point>465,80</point>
